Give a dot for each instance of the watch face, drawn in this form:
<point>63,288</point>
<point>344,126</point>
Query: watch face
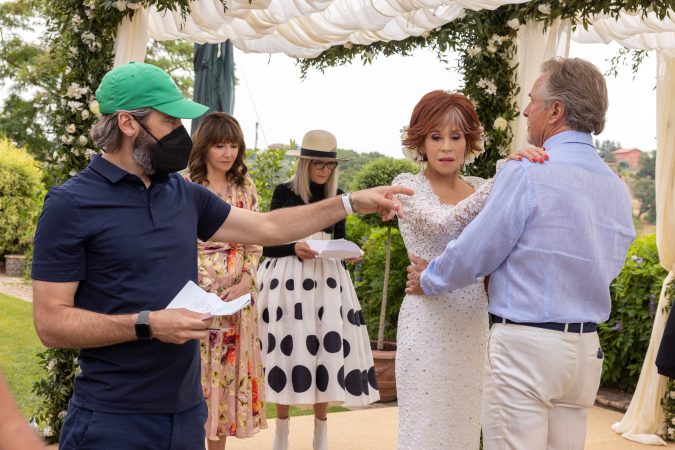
<point>143,331</point>
<point>142,326</point>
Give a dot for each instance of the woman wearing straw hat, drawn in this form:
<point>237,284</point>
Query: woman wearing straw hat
<point>314,341</point>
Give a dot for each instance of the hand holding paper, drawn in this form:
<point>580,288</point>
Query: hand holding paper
<point>338,248</point>
<point>194,298</point>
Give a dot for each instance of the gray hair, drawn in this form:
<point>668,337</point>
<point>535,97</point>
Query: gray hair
<point>581,88</point>
<point>300,181</point>
<point>106,131</point>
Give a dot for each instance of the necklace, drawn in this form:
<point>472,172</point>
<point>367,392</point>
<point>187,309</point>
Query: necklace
<point>218,193</point>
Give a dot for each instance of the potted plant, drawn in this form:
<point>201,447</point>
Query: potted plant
<point>382,172</point>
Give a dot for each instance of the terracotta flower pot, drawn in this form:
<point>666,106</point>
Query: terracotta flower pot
<point>385,370</point>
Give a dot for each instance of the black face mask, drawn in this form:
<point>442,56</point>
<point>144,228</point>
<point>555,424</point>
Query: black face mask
<point>172,152</point>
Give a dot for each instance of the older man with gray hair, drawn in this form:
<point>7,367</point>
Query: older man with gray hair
<point>553,237</point>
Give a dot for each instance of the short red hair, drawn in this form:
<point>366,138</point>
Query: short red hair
<point>438,108</point>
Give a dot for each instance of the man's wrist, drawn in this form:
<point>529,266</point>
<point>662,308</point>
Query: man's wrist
<point>347,203</point>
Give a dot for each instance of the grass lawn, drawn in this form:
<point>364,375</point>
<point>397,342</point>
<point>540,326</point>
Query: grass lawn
<point>295,411</point>
<point>18,346</point>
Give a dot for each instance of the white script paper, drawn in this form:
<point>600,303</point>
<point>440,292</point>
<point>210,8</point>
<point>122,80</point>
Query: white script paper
<point>337,248</point>
<point>196,299</point>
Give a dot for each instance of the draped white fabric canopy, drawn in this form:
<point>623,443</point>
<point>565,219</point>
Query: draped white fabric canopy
<point>305,28</point>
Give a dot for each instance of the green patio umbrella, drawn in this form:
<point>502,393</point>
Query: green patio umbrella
<point>214,77</point>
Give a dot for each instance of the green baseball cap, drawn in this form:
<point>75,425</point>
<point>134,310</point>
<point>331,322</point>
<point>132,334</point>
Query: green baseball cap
<point>138,85</point>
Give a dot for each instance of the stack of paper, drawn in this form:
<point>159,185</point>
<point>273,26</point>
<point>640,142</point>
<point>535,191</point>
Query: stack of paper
<point>194,298</point>
<point>338,248</point>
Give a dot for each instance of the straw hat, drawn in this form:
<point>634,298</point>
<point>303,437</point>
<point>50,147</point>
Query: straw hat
<point>317,144</point>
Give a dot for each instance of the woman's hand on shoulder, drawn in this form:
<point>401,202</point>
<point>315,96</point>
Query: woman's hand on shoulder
<point>304,251</point>
<point>534,154</point>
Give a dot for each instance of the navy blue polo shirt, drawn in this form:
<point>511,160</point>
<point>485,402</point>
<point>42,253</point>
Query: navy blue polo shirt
<point>131,248</point>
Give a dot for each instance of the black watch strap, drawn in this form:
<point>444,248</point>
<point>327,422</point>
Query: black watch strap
<point>143,330</point>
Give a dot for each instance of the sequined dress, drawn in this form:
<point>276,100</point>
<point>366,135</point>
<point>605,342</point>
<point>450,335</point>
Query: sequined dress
<point>441,340</point>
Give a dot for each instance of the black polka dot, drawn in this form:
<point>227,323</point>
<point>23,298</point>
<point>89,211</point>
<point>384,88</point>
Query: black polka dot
<point>372,379</point>
<point>262,285</point>
<point>267,265</point>
<point>364,382</point>
<point>362,321</point>
<point>312,344</point>
<point>299,259</point>
<point>340,311</point>
<point>290,284</point>
<point>276,379</point>
<point>345,348</point>
<point>353,383</point>
<point>331,283</point>
<point>273,284</point>
<point>320,313</point>
<point>308,284</point>
<point>286,345</point>
<point>271,342</point>
<point>280,312</point>
<point>266,315</point>
<point>260,343</point>
<point>322,378</point>
<point>301,378</point>
<point>275,263</point>
<point>341,377</point>
<point>340,289</point>
<point>350,317</point>
<point>298,311</point>
<point>315,284</point>
<point>332,342</point>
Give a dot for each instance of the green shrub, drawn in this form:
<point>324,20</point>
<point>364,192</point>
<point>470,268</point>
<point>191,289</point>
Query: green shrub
<point>21,192</point>
<point>369,280</point>
<point>635,295</point>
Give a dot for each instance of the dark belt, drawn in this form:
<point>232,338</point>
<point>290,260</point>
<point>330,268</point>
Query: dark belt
<point>586,327</point>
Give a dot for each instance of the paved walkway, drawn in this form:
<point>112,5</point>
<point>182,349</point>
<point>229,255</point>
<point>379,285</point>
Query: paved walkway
<point>375,429</point>
<point>372,428</point>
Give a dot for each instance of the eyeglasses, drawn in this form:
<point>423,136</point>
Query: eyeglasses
<point>320,165</point>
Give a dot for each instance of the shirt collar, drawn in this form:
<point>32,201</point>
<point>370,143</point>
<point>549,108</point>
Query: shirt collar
<point>107,169</point>
<point>567,137</point>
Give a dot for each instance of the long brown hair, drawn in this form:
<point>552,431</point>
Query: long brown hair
<point>217,128</point>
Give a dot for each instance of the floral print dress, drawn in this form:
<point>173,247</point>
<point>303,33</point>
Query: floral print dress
<point>232,370</point>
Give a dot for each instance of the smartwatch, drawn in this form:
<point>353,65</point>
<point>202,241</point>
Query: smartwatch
<point>142,326</point>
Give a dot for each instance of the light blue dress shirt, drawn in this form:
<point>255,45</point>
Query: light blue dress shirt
<point>552,235</point>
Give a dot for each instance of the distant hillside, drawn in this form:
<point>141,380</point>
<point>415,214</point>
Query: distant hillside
<point>349,169</point>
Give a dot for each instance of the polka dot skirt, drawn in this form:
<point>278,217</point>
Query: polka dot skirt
<point>314,341</point>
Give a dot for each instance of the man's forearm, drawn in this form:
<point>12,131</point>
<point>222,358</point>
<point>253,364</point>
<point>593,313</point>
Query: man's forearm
<point>290,224</point>
<point>69,327</point>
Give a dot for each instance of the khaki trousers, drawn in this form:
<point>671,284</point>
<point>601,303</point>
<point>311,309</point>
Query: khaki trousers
<point>539,385</point>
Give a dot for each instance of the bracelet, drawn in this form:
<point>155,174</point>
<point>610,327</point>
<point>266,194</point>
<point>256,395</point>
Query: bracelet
<point>347,203</point>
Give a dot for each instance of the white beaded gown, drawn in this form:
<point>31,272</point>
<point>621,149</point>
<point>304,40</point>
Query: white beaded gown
<point>441,340</point>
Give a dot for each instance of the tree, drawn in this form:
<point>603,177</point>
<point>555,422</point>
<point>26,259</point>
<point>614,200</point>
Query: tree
<point>647,165</point>
<point>29,70</point>
<point>382,172</point>
<point>606,149</point>
<point>644,190</point>
<point>349,169</point>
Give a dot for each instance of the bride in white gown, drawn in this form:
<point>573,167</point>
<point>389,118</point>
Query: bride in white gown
<point>441,340</point>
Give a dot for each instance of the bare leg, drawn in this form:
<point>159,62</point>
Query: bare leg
<point>282,411</point>
<point>320,411</point>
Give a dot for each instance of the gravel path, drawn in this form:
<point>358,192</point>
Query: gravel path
<point>16,287</point>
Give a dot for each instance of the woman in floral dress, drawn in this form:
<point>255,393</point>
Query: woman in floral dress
<point>232,374</point>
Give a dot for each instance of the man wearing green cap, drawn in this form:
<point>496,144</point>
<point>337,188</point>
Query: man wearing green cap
<point>117,242</point>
